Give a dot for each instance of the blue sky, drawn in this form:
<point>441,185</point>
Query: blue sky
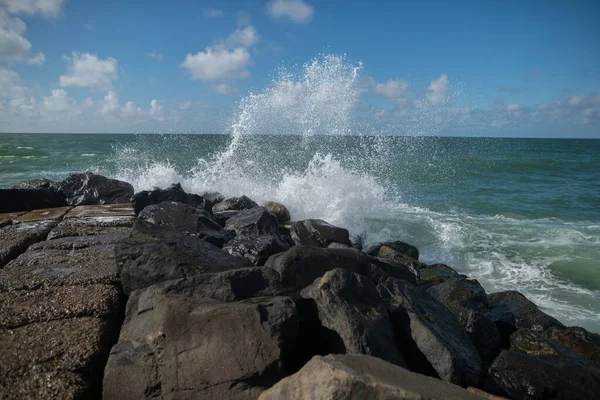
<point>490,68</point>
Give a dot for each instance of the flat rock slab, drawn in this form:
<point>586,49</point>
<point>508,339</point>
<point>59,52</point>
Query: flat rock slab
<point>43,214</point>
<point>78,242</point>
<point>16,238</point>
<point>22,307</point>
<point>50,267</point>
<point>31,383</point>
<point>11,215</point>
<point>104,210</point>
<point>77,346</point>
<point>93,226</point>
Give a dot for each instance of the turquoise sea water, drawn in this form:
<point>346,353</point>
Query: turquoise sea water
<point>518,214</point>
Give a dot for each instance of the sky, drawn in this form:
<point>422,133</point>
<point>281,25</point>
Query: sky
<point>475,68</point>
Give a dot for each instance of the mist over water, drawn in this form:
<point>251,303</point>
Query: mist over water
<point>514,214</point>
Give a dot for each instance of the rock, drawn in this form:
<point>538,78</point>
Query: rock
<point>301,265</point>
<point>430,275</point>
<point>234,203</point>
<point>252,223</point>
<point>154,254</point>
<point>346,377</point>
<point>37,184</point>
<point>5,222</point>
<point>213,197</point>
<point>467,300</point>
<point>92,226</point>
<point>580,341</point>
<point>394,269</point>
<point>75,347</point>
<point>187,220</point>
<point>174,192</point>
<point>316,232</point>
<point>336,245</point>
<point>30,199</point>
<point>392,250</point>
<point>511,310</point>
<point>43,214</point>
<point>278,210</point>
<point>16,238</point>
<point>180,346</point>
<point>357,241</point>
<point>354,316</point>
<point>222,216</point>
<point>536,368</point>
<point>102,210</point>
<point>234,285</point>
<point>256,250</point>
<point>53,267</point>
<point>22,307</point>
<point>435,343</point>
<point>89,188</point>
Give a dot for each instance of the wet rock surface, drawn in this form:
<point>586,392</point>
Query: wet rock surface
<point>234,204</point>
<point>89,188</point>
<point>175,193</point>
<point>16,238</point>
<point>316,232</point>
<point>278,210</point>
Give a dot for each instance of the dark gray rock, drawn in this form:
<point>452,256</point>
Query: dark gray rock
<point>16,238</point>
<point>174,192</point>
<point>354,315</point>
<point>213,197</point>
<point>176,345</point>
<point>234,203</point>
<point>154,254</point>
<point>585,344</point>
<point>467,300</point>
<point>187,220</point>
<point>257,250</point>
<point>538,368</point>
<point>392,249</point>
<point>301,265</point>
<point>89,188</point>
<point>434,342</point>
<point>394,269</point>
<point>352,377</point>
<point>92,226</point>
<point>252,223</point>
<point>30,199</point>
<point>316,232</point>
<point>434,274</point>
<point>222,216</point>
<point>511,310</point>
<point>278,210</point>
<point>234,285</point>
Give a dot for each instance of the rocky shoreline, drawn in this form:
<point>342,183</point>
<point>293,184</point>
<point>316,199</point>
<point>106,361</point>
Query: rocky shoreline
<point>107,293</point>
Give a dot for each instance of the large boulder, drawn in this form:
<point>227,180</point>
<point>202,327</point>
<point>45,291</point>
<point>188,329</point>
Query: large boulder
<point>234,203</point>
<point>384,267</point>
<point>585,344</point>
<point>278,210</point>
<point>174,192</point>
<point>301,265</point>
<point>257,250</point>
<point>187,220</point>
<point>354,315</point>
<point>435,343</point>
<point>349,377</point>
<point>511,310</point>
<point>434,274</point>
<point>467,300</point>
<point>154,254</point>
<point>23,199</point>
<point>89,188</point>
<point>16,238</point>
<point>393,249</point>
<point>538,368</point>
<point>175,345</point>
<point>316,232</point>
<point>252,223</point>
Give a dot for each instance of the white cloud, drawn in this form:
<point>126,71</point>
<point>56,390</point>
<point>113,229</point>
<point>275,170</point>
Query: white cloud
<point>245,37</point>
<point>13,45</point>
<point>212,13</point>
<point>437,91</point>
<point>88,71</point>
<point>583,101</point>
<point>130,112</point>
<point>514,107</point>
<point>47,8</point>
<point>297,11</point>
<point>186,105</point>
<point>156,55</point>
<point>222,88</point>
<point>59,101</point>
<point>217,64</point>
<point>394,89</point>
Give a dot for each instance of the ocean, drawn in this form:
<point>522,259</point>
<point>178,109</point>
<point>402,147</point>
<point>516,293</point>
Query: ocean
<point>515,214</point>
